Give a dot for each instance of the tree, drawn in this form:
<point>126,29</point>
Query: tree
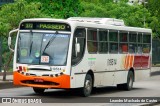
<point>10,16</point>
<point>60,8</point>
<point>154,8</point>
<point>133,15</point>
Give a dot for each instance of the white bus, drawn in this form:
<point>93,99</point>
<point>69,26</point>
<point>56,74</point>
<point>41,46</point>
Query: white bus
<point>80,53</point>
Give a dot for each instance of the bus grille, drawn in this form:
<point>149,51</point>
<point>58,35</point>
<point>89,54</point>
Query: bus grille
<point>39,83</point>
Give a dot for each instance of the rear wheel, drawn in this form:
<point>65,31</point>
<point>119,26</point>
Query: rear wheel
<point>38,90</point>
<point>129,85</point>
<point>88,85</point>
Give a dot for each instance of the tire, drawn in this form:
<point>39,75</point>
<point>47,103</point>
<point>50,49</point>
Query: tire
<point>130,79</point>
<point>38,90</point>
<point>88,85</point>
<point>120,86</point>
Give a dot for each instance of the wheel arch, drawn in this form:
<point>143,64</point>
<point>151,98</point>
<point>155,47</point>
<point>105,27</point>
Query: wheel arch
<point>90,72</point>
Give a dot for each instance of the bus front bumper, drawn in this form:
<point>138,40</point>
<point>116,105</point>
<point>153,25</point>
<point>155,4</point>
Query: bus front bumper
<point>62,81</point>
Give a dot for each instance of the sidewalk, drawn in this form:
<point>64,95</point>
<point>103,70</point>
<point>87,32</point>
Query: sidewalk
<point>9,81</point>
<point>9,76</point>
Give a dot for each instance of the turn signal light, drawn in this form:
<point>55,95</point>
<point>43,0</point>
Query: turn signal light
<point>19,69</point>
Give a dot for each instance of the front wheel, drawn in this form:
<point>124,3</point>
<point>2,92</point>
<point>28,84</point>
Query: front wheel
<point>38,90</point>
<point>88,85</point>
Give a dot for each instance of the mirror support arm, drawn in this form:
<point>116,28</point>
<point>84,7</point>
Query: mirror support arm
<point>9,39</point>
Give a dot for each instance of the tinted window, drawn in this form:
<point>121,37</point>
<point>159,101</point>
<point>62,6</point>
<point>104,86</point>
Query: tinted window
<point>132,37</point>
<point>113,42</point>
<point>92,41</point>
<point>123,37</point>
<point>139,38</point>
<point>103,44</point>
<point>146,43</point>
<point>123,46</point>
<point>113,36</point>
<point>146,48</point>
<point>146,38</point>
<point>132,48</point>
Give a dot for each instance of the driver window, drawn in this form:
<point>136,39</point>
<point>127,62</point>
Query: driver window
<point>79,34</point>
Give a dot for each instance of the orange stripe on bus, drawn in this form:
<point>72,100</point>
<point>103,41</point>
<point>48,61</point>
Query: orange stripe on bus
<point>131,61</point>
<point>125,61</point>
<point>128,60</point>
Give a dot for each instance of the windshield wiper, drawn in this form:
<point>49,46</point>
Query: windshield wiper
<point>30,48</point>
<point>49,42</point>
<point>31,42</point>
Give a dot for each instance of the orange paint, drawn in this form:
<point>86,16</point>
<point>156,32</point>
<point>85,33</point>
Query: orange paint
<point>128,61</point>
<point>62,80</point>
<point>131,61</point>
<point>24,69</point>
<point>125,62</point>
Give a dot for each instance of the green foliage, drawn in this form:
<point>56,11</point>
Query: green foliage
<point>10,17</point>
<point>133,15</point>
<point>97,1</point>
<point>60,8</point>
<point>154,9</point>
<point>12,14</point>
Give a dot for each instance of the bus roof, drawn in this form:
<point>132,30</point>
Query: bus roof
<point>93,23</point>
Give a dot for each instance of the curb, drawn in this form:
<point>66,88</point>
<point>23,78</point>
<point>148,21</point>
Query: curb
<point>155,73</point>
<point>7,73</point>
<point>7,85</point>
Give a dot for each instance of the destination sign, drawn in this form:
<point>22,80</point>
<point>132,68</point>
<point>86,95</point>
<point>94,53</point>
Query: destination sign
<point>45,26</point>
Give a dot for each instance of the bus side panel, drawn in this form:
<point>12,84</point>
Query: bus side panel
<point>78,80</point>
<point>104,76</point>
<point>120,77</point>
<point>79,71</point>
<point>121,68</point>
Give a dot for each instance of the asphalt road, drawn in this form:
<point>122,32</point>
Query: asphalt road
<point>147,88</point>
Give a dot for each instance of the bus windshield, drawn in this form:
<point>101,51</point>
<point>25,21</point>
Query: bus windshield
<point>42,48</point>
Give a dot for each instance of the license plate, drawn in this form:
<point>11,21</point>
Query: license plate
<point>38,80</point>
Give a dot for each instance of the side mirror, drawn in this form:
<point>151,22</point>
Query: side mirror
<point>10,39</point>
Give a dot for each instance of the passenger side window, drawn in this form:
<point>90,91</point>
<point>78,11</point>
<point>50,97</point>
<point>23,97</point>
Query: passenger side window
<point>103,43</point>
<point>132,42</point>
<point>123,46</point>
<point>92,41</point>
<point>113,41</point>
<point>146,43</point>
<point>139,43</point>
